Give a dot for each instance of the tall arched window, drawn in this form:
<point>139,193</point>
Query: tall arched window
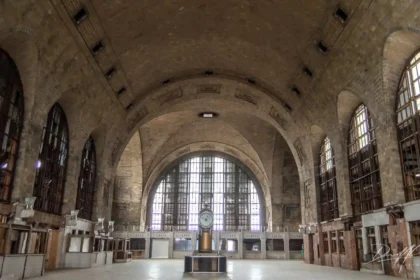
<point>11,121</point>
<point>211,180</point>
<point>408,126</point>
<point>365,181</point>
<point>52,163</point>
<point>327,182</point>
<point>87,177</point>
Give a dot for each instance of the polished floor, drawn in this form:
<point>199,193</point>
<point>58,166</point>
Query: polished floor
<point>237,269</point>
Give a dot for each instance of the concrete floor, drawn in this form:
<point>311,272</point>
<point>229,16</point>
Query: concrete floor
<point>237,269</point>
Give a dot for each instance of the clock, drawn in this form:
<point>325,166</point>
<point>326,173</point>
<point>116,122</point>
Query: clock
<point>206,219</point>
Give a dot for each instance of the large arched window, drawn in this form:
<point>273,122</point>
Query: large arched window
<point>408,122</point>
<point>87,176</point>
<point>11,120</point>
<point>365,181</point>
<point>327,182</point>
<point>211,180</point>
<point>52,163</point>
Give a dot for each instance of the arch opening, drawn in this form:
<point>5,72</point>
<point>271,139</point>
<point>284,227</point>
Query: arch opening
<point>222,182</point>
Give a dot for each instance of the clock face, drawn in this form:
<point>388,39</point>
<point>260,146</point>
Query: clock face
<point>206,219</point>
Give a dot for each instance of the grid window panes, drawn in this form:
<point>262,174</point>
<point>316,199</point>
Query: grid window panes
<point>365,181</point>
<point>52,163</point>
<point>87,176</point>
<point>11,120</point>
<point>408,123</point>
<point>207,180</point>
<point>327,182</point>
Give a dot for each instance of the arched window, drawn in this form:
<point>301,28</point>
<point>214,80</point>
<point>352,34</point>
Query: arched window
<point>11,121</point>
<point>87,177</point>
<point>52,163</point>
<point>327,182</point>
<point>211,180</point>
<point>365,181</point>
<point>408,122</point>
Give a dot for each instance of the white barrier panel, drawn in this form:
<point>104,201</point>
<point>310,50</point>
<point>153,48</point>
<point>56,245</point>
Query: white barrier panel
<point>34,265</point>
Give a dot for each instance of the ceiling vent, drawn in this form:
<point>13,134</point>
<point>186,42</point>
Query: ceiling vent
<point>296,90</point>
<point>322,48</point>
<point>166,82</point>
<point>341,15</point>
<point>121,91</point>
<point>80,16</point>
<point>110,73</point>
<point>308,72</point>
<point>97,48</point>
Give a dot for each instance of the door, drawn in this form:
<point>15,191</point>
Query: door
<point>160,248</point>
<point>53,250</point>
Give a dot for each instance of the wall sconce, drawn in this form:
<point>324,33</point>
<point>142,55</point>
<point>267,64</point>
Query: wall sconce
<point>72,220</point>
<point>99,226</point>
<point>311,228</point>
<point>111,226</point>
<point>29,202</point>
<point>302,229</point>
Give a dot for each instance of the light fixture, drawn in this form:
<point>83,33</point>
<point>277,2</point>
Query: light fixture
<point>302,229</point>
<point>38,164</point>
<point>97,48</point>
<point>4,166</point>
<point>111,226</point>
<point>72,220</point>
<point>418,175</point>
<point>80,16</point>
<point>208,115</point>
<point>29,202</point>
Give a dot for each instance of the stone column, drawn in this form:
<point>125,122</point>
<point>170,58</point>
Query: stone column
<point>286,241</point>
<point>378,241</point>
<point>241,245</point>
<point>193,241</point>
<point>147,249</point>
<point>217,240</point>
<point>365,243</point>
<point>171,244</point>
<point>263,246</point>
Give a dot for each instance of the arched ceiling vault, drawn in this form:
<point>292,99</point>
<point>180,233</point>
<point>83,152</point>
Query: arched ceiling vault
<point>212,147</point>
<point>155,41</point>
<point>233,100</point>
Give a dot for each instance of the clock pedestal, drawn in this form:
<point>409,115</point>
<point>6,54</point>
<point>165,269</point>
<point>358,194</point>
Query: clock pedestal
<point>205,241</point>
<point>204,260</point>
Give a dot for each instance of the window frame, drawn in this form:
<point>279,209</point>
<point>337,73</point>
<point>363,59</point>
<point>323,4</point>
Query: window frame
<point>408,128</point>
<point>12,113</point>
<point>364,169</point>
<point>327,182</point>
<point>53,153</point>
<point>88,169</point>
<point>174,167</point>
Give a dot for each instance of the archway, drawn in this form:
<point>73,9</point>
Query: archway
<point>222,182</point>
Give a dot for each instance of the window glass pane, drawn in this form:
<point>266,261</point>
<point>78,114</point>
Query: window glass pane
<point>212,181</point>
<point>51,166</point>
<point>365,182</point>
